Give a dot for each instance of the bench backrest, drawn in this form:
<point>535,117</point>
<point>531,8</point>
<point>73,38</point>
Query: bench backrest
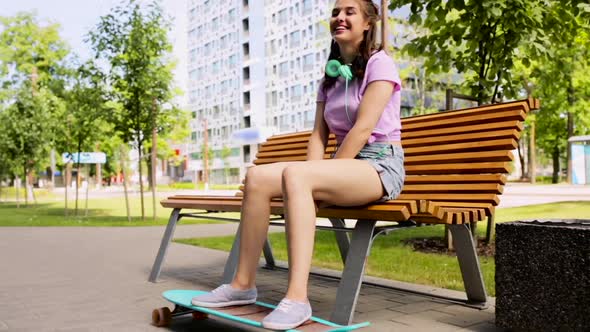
<point>453,156</point>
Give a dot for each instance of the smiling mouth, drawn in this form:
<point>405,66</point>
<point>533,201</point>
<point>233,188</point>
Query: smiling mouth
<point>340,29</point>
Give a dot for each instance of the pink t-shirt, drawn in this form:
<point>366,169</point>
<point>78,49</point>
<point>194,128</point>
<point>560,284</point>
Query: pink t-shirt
<point>380,67</point>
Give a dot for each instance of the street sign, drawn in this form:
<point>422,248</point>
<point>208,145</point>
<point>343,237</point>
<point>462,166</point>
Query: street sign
<point>85,157</point>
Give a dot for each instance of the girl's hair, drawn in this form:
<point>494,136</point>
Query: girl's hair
<point>366,48</point>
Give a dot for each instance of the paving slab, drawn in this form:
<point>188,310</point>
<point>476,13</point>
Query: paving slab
<point>95,279</point>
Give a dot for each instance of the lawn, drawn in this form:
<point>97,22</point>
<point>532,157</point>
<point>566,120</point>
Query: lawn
<point>49,211</point>
<point>391,259</point>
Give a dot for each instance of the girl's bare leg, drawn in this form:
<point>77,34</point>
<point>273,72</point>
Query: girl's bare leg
<point>344,182</point>
<point>262,184</point>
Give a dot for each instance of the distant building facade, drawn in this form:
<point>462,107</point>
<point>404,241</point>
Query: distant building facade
<point>253,64</point>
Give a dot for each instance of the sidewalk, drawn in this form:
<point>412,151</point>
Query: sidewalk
<point>95,279</point>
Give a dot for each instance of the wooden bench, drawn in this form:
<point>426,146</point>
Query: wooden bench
<point>456,164</point>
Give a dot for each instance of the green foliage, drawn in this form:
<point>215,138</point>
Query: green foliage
<point>478,38</point>
<point>25,47</point>
<point>132,41</point>
<point>31,57</point>
<point>563,85</point>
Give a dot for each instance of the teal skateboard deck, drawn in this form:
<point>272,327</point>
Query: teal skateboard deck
<point>251,314</point>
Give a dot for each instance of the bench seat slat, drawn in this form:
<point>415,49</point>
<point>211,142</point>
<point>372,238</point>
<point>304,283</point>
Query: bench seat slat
<point>483,198</point>
<point>462,137</point>
<point>516,125</point>
<point>466,178</point>
<point>484,118</point>
<point>467,157</point>
<point>390,212</point>
<point>499,144</point>
<point>453,188</point>
<point>521,105</point>
<point>472,168</point>
<point>472,117</point>
<point>430,151</point>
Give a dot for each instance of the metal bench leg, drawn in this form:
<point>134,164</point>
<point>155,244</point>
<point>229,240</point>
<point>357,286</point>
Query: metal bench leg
<point>268,256</point>
<point>156,268</point>
<point>232,260</point>
<point>469,264</point>
<point>341,238</point>
<point>352,276</point>
<point>231,265</point>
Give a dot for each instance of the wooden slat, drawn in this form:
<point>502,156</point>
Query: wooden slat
<point>459,138</point>
<point>466,178</point>
<point>516,125</point>
<point>499,144</point>
<point>467,157</point>
<point>459,113</point>
<point>453,188</point>
<point>483,118</point>
<point>473,168</point>
<point>483,198</point>
<point>487,208</point>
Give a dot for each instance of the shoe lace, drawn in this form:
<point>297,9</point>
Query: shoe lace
<point>219,289</point>
<point>284,306</point>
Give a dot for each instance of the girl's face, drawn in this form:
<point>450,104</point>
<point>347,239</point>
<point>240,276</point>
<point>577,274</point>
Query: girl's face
<point>348,23</point>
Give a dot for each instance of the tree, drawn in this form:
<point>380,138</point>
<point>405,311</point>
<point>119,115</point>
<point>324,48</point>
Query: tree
<point>477,38</point>
<point>27,135</point>
<point>87,106</point>
<point>30,58</point>
<point>132,40</point>
<point>564,87</point>
<point>225,154</point>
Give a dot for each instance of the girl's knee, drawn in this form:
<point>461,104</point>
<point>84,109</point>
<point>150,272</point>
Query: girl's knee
<point>294,177</point>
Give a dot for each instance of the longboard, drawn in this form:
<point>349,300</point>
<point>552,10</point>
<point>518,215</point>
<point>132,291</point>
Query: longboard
<point>251,314</point>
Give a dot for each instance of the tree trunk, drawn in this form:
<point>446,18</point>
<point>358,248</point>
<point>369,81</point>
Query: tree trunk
<point>153,159</point>
<point>66,177</point>
<point>570,133</point>
<point>532,153</point>
<point>26,184</point>
<point>139,148</point>
<point>521,150</point>
<point>17,189</point>
<point>123,165</point>
<point>555,156</point>
<point>87,189</point>
<point>78,175</point>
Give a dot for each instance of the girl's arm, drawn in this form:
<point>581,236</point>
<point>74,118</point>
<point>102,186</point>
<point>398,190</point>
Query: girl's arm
<point>376,97</point>
<point>319,136</point>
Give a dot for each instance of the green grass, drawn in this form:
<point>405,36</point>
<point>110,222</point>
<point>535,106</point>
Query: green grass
<point>391,259</point>
<point>101,212</point>
<point>200,186</point>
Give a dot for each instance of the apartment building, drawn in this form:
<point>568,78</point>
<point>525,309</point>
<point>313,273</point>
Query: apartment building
<point>253,64</point>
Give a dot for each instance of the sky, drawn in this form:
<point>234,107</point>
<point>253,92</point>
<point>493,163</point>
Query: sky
<point>77,17</point>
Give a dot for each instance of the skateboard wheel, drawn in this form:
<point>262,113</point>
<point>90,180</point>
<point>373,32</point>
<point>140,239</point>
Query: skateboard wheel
<point>161,317</point>
<point>199,315</point>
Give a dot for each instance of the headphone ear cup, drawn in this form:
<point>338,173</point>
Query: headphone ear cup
<point>332,68</point>
<point>346,72</point>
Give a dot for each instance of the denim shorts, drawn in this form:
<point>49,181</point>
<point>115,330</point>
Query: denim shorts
<point>388,160</point>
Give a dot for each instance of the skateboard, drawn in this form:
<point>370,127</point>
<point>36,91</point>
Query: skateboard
<point>251,314</point>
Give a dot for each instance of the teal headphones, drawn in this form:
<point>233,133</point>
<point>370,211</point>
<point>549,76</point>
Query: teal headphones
<point>334,69</point>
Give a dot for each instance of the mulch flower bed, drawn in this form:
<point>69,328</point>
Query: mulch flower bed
<point>437,245</point>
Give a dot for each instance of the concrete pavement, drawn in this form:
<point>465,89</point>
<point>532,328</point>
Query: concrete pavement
<point>95,279</point>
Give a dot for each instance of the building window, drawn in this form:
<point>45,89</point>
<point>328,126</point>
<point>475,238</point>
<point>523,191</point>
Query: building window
<point>307,7</point>
<point>284,69</point>
<point>308,62</point>
<point>295,38</point>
